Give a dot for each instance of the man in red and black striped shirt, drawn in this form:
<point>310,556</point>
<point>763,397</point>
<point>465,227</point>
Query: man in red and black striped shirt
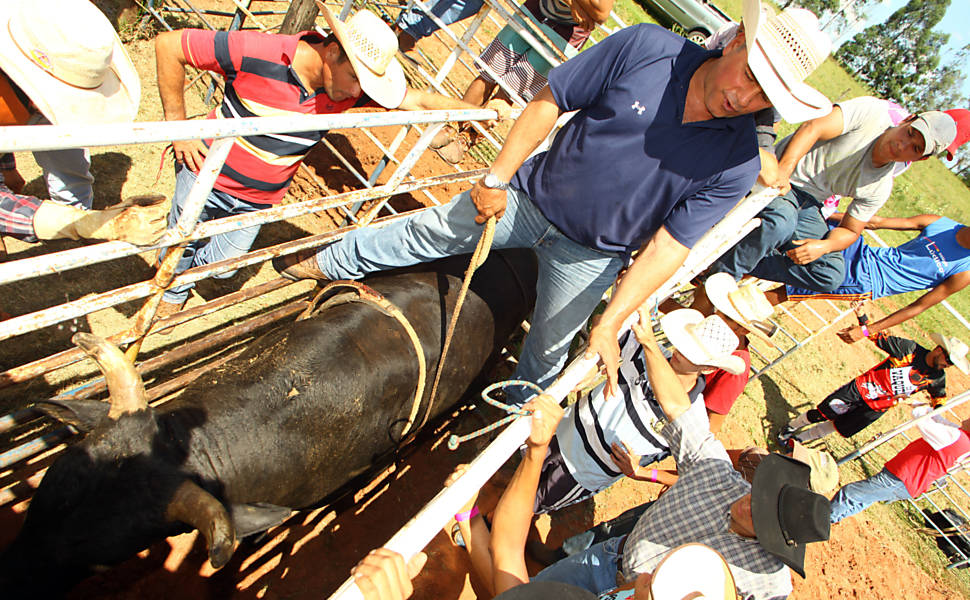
<point>273,75</point>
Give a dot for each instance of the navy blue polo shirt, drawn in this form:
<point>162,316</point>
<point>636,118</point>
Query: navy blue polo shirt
<point>625,164</point>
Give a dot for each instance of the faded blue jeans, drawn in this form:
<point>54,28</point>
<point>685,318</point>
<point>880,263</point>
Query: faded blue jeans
<point>572,277</point>
<point>207,251</point>
<point>67,172</point>
<point>419,25</point>
<point>860,495</point>
<point>593,570</point>
<point>795,216</point>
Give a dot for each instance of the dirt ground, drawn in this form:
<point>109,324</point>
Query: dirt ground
<point>311,554</point>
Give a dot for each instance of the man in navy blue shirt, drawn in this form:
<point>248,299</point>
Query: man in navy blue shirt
<point>662,147</point>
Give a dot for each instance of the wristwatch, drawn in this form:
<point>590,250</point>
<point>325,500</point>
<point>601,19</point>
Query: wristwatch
<point>492,181</point>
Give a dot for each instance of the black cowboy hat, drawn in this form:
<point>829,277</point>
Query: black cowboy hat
<point>787,515</point>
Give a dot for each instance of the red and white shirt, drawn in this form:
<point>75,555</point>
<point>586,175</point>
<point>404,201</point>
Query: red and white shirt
<point>261,82</point>
<point>927,459</point>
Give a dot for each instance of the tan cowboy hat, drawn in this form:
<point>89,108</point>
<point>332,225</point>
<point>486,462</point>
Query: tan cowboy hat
<point>370,44</point>
<point>955,349</point>
<point>747,305</point>
<point>66,56</point>
<point>783,50</point>
<point>825,472</point>
<point>704,341</point>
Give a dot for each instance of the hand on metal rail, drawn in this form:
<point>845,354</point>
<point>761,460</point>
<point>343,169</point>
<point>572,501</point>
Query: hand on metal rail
<point>382,574</point>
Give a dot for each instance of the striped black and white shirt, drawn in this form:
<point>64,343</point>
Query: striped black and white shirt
<point>591,425</point>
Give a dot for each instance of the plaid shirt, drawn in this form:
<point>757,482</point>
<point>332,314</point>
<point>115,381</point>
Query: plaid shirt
<point>17,214</point>
<point>696,509</point>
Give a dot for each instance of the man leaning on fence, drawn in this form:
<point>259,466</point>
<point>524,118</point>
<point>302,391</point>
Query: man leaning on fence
<point>662,146</point>
<point>273,75</point>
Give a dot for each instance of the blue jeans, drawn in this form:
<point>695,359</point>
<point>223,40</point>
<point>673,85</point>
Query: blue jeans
<point>795,216</point>
<point>572,277</point>
<point>220,247</point>
<point>858,496</point>
<point>67,172</point>
<point>418,25</point>
<point>593,570</point>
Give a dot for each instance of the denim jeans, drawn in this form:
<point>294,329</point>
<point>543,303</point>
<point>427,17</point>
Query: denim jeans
<point>419,25</point>
<point>858,496</point>
<point>206,251</point>
<point>593,570</point>
<point>795,216</point>
<point>572,277</point>
<point>67,171</point>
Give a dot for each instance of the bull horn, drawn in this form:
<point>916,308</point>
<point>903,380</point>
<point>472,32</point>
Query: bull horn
<point>124,383</point>
<point>194,506</point>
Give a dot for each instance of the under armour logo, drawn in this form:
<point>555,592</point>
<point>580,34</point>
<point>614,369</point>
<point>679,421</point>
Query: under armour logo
<point>638,107</point>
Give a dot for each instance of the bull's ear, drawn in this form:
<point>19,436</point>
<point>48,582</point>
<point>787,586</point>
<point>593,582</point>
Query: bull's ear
<point>83,415</point>
<point>257,517</point>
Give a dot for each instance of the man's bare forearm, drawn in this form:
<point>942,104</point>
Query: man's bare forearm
<point>170,69</point>
<point>535,123</point>
<point>657,261</point>
<point>667,388</point>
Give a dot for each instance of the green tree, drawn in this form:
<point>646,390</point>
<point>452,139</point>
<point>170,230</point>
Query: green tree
<point>899,58</point>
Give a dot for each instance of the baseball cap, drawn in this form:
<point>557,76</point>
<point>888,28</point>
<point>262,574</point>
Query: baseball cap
<point>938,129</point>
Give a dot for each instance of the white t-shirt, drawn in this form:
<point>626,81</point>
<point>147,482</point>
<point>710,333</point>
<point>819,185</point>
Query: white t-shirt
<point>843,165</point>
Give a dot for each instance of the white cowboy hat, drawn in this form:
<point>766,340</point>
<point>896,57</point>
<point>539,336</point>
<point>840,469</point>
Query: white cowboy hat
<point>693,571</point>
<point>703,341</point>
<point>746,305</point>
<point>782,51</point>
<point>66,56</point>
<point>955,349</point>
<point>370,44</point>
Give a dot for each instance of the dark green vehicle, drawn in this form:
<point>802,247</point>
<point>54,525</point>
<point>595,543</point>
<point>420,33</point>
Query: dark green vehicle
<point>696,20</point>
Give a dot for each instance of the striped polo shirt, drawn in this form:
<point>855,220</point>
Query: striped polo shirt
<point>590,426</point>
<point>260,82</point>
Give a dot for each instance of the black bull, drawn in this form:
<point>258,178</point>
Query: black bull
<point>303,410</point>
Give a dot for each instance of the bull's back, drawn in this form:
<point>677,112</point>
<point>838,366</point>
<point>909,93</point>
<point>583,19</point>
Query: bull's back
<point>315,402</point>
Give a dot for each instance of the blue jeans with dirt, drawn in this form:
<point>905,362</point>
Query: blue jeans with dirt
<point>795,216</point>
<point>418,24</point>
<point>572,277</point>
<point>593,570</point>
<point>209,250</point>
<point>858,496</point>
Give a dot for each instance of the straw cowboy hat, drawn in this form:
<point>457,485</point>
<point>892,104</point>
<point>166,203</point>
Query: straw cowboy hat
<point>370,44</point>
<point>746,305</point>
<point>66,56</point>
<point>786,514</point>
<point>703,341</point>
<point>955,349</point>
<point>782,51</point>
<point>824,476</point>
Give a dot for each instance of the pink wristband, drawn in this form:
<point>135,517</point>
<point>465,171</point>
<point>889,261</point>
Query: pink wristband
<point>464,516</point>
<point>865,330</point>
<point>653,475</point>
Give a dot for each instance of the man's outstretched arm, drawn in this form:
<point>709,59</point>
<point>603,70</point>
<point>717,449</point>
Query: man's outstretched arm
<point>656,262</point>
<point>532,126</point>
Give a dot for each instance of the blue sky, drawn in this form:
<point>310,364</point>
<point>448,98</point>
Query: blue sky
<point>956,22</point>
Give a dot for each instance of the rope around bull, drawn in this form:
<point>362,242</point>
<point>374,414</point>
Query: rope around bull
<point>514,411</point>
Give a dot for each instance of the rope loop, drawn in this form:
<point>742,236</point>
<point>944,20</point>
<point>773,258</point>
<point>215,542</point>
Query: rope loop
<point>514,411</point>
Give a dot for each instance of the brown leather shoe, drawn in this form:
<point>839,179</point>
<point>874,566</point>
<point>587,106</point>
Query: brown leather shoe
<point>445,136</point>
<point>299,266</point>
